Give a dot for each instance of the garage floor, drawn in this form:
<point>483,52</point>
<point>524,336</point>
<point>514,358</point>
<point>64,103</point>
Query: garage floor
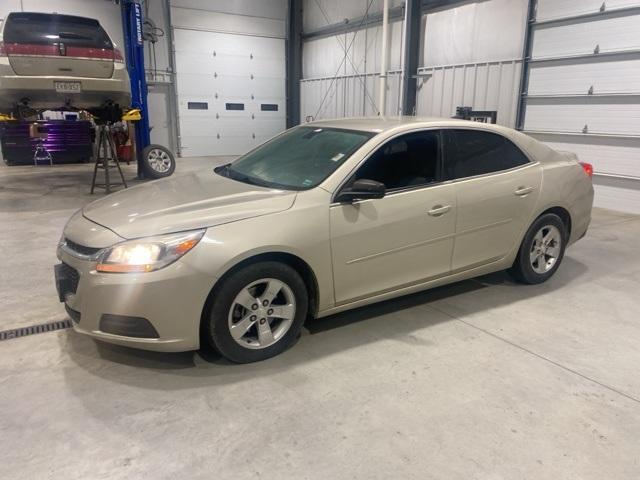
<point>482,379</point>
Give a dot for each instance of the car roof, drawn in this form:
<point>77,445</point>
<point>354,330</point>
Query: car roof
<point>382,124</point>
<point>399,124</point>
<point>47,15</point>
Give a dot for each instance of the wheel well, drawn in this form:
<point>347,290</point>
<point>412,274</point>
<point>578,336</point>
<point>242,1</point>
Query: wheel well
<point>564,216</point>
<point>293,261</point>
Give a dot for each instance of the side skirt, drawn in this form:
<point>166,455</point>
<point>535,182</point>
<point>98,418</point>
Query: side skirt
<point>457,277</point>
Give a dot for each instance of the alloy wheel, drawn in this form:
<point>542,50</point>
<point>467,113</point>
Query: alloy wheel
<point>262,313</point>
<point>545,249</point>
<point>159,160</point>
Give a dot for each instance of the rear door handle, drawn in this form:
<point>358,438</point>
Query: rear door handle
<point>522,191</point>
<point>438,210</point>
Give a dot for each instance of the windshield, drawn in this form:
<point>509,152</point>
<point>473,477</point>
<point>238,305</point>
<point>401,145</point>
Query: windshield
<point>299,159</point>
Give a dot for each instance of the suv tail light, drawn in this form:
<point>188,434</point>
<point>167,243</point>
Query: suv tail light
<point>117,56</point>
<point>588,168</point>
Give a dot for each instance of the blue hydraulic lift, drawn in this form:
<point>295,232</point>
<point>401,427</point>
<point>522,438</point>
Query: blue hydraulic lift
<point>134,55</point>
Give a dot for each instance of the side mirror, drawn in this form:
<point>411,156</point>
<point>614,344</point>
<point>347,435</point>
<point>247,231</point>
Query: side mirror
<point>362,189</point>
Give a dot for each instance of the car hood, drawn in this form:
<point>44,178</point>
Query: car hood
<point>184,202</point>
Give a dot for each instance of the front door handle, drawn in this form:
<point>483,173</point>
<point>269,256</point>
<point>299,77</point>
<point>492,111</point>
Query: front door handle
<point>438,210</point>
<point>522,191</point>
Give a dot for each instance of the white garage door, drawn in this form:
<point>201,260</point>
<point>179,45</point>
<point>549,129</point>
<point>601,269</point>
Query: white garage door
<point>231,91</point>
<point>583,90</point>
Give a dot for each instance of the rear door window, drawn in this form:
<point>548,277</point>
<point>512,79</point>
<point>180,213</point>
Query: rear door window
<point>53,29</point>
<point>473,152</point>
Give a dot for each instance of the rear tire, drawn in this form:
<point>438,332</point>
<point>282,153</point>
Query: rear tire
<point>257,312</point>
<point>541,251</point>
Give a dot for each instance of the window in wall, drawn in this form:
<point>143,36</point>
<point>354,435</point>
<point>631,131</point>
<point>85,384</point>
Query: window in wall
<point>269,107</point>
<point>407,161</point>
<point>473,152</point>
<point>197,105</point>
<point>234,106</point>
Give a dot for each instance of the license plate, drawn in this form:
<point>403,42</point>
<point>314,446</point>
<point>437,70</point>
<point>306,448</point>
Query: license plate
<point>68,87</point>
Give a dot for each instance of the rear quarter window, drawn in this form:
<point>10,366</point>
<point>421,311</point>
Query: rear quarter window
<point>50,29</point>
<point>473,152</point>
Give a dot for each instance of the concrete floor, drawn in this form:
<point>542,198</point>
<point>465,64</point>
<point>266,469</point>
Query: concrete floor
<point>484,379</point>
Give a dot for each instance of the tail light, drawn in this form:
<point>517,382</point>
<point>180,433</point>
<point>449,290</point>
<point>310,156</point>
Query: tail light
<point>588,168</point>
<point>117,56</point>
<point>3,52</point>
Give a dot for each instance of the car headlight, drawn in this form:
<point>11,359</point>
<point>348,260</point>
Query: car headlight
<point>147,254</point>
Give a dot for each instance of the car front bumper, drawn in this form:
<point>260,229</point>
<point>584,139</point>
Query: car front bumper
<point>170,301</point>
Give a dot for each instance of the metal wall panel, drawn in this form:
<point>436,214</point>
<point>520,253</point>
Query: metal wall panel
<point>213,21</point>
<point>469,33</point>
<point>584,90</point>
<point>322,57</point>
<point>610,115</point>
<point>610,155</point>
<point>337,85</point>
<point>552,9</point>
<point>603,75</point>
<point>220,68</point>
<point>276,9</point>
<point>466,64</point>
<point>485,86</point>
<point>350,96</point>
<point>320,13</point>
<point>614,33</point>
<point>617,194</point>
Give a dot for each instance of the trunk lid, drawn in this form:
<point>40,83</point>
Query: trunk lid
<point>49,44</point>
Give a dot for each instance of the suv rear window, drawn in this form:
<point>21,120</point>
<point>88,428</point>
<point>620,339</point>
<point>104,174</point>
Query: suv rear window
<point>51,28</point>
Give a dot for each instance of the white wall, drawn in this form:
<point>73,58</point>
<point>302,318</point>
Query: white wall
<point>354,91</point>
<point>482,67</point>
<point>254,17</point>
<point>320,13</point>
<point>274,9</point>
<point>475,32</point>
<point>323,56</point>
<point>472,57</point>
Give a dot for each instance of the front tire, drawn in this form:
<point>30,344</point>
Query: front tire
<point>541,251</point>
<point>257,312</point>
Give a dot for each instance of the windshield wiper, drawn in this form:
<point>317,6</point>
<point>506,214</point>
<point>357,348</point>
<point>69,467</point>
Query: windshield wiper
<point>226,171</point>
<point>222,170</point>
